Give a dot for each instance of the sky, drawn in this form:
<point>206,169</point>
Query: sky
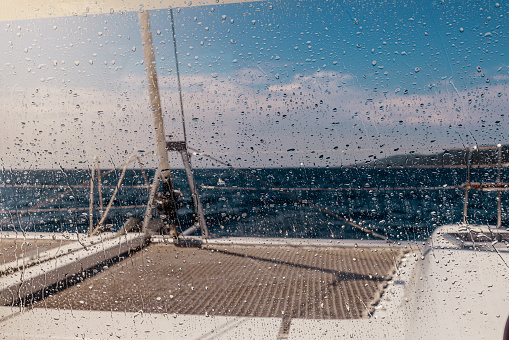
<point>264,84</point>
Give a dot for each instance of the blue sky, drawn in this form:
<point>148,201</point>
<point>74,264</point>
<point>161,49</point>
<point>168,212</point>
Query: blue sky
<point>335,82</point>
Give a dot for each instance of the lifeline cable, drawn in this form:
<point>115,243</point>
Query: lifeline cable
<point>54,198</point>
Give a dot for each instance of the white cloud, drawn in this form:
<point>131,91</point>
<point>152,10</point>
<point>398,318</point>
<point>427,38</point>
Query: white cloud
<point>249,125</point>
<point>500,77</point>
<point>317,80</point>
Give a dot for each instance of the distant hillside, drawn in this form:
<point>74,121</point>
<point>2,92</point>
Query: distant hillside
<point>484,155</point>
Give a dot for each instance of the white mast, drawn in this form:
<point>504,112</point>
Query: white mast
<point>153,90</point>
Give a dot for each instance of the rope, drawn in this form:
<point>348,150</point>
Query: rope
<point>298,198</point>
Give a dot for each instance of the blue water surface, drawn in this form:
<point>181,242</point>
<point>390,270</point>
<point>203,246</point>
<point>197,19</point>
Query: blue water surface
<point>403,204</point>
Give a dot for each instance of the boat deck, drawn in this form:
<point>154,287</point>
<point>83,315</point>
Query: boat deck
<point>12,249</point>
<point>306,282</point>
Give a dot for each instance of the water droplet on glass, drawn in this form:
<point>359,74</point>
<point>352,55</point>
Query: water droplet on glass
<point>91,62</point>
<point>133,48</point>
<point>462,30</point>
<point>478,68</point>
<point>417,69</point>
<point>253,22</point>
<point>214,75</point>
<point>158,32</point>
<point>497,5</point>
<point>99,33</point>
<point>112,11</point>
<point>77,63</point>
<point>373,62</point>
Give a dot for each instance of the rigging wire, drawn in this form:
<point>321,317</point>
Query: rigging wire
<point>85,184</point>
<point>298,198</point>
<point>333,189</point>
<point>54,198</point>
<point>178,76</point>
<point>72,209</point>
<point>74,186</point>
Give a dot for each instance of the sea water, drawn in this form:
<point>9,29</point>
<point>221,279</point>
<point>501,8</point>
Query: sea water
<point>403,204</point>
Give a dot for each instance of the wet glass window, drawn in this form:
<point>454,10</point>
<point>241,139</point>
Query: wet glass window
<point>254,169</point>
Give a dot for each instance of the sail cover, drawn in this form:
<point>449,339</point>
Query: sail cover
<point>38,9</point>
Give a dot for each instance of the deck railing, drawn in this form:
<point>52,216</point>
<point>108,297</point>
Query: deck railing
<point>498,186</point>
